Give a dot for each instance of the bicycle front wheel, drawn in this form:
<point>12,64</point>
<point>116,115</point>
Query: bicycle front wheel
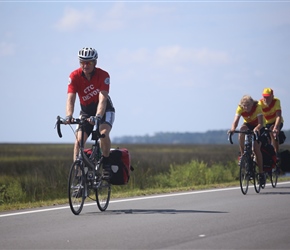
<point>76,187</point>
<point>244,173</point>
<point>256,175</point>
<point>274,177</point>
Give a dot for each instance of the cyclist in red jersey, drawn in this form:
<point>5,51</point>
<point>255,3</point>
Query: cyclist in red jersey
<point>92,85</point>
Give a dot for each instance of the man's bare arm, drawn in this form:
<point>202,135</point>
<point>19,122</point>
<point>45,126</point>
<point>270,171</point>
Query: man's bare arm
<point>70,104</point>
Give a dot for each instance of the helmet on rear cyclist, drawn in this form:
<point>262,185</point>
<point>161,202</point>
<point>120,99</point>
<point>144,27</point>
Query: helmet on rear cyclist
<point>88,54</point>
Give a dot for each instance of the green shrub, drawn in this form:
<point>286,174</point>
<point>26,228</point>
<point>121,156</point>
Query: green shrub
<point>193,174</point>
<point>11,191</point>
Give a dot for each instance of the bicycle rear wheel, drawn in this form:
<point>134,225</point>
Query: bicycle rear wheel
<point>103,194</point>
<point>244,173</point>
<point>76,187</point>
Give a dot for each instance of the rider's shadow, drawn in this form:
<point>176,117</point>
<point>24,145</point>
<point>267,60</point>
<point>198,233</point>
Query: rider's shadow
<point>160,211</point>
<point>277,192</point>
<point>280,193</point>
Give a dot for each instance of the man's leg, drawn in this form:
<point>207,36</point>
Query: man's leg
<point>78,143</point>
<point>106,141</point>
<point>242,138</point>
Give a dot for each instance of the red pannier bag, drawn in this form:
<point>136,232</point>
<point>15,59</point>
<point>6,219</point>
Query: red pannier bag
<point>120,166</point>
<point>88,152</point>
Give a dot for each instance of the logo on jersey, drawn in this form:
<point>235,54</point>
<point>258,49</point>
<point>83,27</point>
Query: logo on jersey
<point>107,80</point>
<point>69,81</point>
<point>90,92</point>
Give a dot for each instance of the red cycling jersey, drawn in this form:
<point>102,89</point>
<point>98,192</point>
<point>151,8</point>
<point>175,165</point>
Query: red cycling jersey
<point>88,90</point>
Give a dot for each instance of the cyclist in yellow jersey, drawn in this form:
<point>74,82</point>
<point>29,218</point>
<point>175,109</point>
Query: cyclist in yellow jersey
<point>272,111</point>
<point>251,111</point>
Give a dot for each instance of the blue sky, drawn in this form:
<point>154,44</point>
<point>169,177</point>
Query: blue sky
<point>178,66</point>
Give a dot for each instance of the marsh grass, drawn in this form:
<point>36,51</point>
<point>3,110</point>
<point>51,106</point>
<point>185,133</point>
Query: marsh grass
<point>36,174</point>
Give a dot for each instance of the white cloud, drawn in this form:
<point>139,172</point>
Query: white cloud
<point>138,14</point>
<point>173,55</point>
<point>113,19</point>
<point>182,55</point>
<point>117,17</point>
<point>127,56</point>
<point>7,49</point>
<point>74,19</point>
<point>188,66</point>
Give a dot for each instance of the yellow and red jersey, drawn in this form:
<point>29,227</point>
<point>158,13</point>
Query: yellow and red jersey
<point>269,112</point>
<point>252,116</point>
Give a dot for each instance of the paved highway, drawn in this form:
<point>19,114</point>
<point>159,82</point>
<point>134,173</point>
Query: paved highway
<point>208,219</point>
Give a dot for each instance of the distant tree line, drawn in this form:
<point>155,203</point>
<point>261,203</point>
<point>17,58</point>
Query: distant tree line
<point>208,137</point>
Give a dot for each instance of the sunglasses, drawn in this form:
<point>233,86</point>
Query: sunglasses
<point>87,63</point>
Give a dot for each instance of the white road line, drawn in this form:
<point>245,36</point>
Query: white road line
<point>132,199</point>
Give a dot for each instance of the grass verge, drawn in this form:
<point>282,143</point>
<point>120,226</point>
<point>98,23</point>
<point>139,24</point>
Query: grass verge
<point>127,194</point>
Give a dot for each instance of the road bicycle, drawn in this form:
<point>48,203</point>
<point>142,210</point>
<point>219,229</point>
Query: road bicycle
<point>248,166</point>
<point>87,177</point>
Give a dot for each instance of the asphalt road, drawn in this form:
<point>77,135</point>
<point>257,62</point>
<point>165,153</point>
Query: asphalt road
<point>209,219</point>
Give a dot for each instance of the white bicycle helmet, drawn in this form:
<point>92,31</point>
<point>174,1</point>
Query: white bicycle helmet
<point>87,54</point>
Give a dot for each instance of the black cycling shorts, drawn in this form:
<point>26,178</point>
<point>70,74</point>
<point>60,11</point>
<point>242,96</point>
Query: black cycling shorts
<point>108,118</point>
<point>271,124</point>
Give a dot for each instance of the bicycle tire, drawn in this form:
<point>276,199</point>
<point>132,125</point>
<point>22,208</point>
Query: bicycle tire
<point>244,173</point>
<point>274,177</point>
<point>257,185</point>
<point>76,187</point>
<point>103,194</point>
<point>102,188</point>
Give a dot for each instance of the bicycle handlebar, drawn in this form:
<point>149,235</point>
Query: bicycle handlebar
<point>60,121</point>
<point>247,132</point>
